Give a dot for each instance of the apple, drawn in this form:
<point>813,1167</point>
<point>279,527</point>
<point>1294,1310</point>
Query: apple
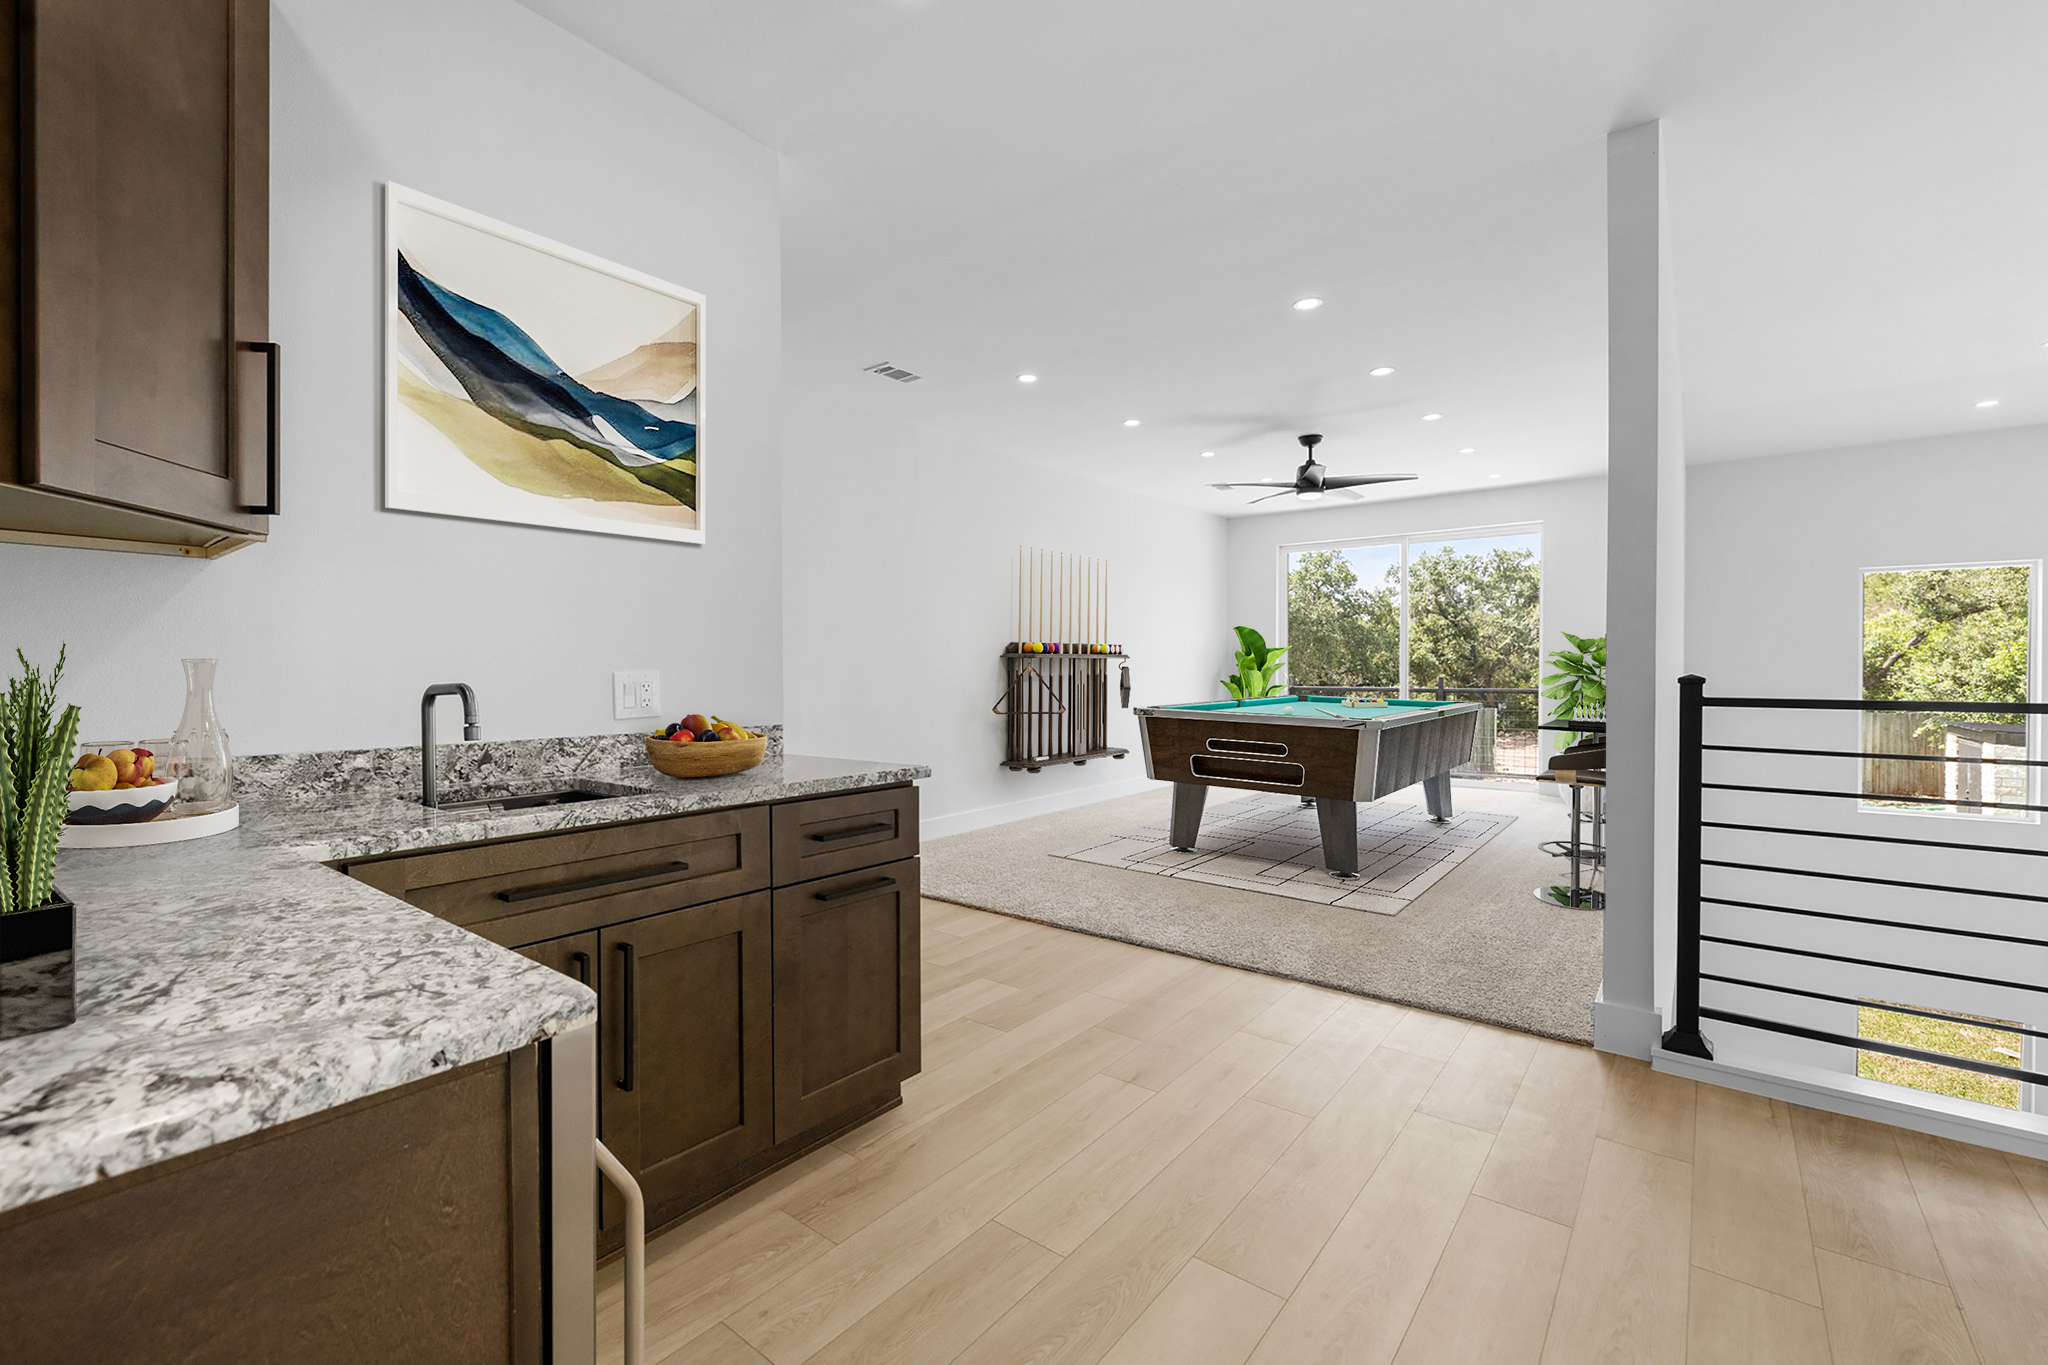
<point>696,724</point>
<point>94,773</point>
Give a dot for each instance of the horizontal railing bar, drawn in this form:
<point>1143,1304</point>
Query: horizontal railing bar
<point>1986,708</point>
<point>1912,1054</point>
<point>1859,753</point>
<point>1948,929</point>
<point>1881,966</point>
<point>1942,844</point>
<point>1875,881</point>
<point>1869,796</point>
<point>1964,1020</point>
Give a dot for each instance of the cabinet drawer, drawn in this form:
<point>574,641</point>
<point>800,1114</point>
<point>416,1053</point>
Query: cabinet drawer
<point>831,834</point>
<point>520,891</point>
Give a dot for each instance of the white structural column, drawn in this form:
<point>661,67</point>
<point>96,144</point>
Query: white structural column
<point>1645,594</point>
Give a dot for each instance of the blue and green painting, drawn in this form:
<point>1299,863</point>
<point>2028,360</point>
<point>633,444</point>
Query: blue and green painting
<point>607,445</point>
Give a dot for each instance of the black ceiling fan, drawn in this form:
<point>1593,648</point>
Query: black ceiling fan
<point>1311,481</point>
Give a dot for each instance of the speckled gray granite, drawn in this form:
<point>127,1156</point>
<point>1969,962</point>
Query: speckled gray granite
<point>231,984</point>
<point>468,763</point>
<point>333,827</point>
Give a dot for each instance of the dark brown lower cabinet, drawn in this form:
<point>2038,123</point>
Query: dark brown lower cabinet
<point>686,1080</point>
<point>404,1227</point>
<point>846,994</point>
<point>743,1018</point>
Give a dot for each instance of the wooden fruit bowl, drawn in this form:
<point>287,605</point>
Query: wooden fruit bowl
<point>702,759</point>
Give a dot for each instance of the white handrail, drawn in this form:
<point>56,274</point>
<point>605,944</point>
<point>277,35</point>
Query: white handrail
<point>636,1251</point>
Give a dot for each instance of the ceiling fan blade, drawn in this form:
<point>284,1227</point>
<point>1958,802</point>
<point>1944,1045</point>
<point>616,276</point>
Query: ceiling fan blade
<point>1283,493</point>
<point>1359,480</point>
<point>1262,483</point>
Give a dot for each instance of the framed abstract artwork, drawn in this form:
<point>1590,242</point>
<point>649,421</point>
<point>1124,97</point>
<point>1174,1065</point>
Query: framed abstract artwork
<point>527,381</point>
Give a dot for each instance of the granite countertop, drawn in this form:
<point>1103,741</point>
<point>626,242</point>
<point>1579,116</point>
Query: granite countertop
<point>231,984</point>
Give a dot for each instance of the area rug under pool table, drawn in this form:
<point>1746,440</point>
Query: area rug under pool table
<point>1476,943</point>
<point>1270,843</point>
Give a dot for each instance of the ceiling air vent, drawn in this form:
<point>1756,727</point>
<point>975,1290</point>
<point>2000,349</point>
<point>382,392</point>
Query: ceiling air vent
<point>888,371</point>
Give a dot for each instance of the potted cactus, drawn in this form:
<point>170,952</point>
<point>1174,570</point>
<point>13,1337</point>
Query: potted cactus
<point>36,922</point>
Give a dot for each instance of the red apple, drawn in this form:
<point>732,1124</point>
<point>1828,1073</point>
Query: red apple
<point>696,724</point>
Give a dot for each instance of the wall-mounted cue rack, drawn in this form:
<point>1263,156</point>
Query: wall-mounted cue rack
<point>1056,672</point>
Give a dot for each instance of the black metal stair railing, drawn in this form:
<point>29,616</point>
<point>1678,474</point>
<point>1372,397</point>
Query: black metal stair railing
<point>1685,1036</point>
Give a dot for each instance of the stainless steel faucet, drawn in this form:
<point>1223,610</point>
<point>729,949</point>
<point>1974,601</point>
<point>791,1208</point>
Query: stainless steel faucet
<point>430,778</point>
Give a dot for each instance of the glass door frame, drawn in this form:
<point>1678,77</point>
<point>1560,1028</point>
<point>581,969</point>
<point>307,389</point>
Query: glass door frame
<point>1406,541</point>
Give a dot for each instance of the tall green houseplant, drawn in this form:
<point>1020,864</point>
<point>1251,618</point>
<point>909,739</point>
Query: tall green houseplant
<point>35,762</point>
<point>1256,665</point>
<point>1577,681</point>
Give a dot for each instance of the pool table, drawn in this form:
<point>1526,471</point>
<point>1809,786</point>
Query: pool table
<point>1314,747</point>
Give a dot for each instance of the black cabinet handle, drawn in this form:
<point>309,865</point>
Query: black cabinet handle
<point>847,892</point>
<point>273,364</point>
<point>838,834</point>
<point>630,1007</point>
<point>534,893</point>
<point>582,962</point>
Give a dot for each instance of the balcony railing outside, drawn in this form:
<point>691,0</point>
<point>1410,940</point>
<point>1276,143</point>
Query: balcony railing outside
<point>1507,744</point>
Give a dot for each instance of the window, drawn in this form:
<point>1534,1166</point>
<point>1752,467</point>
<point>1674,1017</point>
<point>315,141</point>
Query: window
<point>1987,1040</point>
<point>1411,614</point>
<point>1961,633</point>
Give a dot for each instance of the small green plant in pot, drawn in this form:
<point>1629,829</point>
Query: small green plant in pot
<point>36,922</point>
<point>1256,665</point>
<point>1578,679</point>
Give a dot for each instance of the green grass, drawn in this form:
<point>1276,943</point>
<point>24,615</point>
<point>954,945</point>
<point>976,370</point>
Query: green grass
<point>1978,1043</point>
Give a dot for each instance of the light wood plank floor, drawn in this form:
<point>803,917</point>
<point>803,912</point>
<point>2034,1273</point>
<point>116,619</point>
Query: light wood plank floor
<point>1117,1155</point>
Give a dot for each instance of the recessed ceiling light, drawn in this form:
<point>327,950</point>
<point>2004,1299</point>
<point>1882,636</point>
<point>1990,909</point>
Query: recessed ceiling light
<point>1987,403</point>
<point>1467,450</point>
<point>1027,379</point>
<point>1381,372</point>
<point>1309,494</point>
<point>1130,421</point>
<point>1307,305</point>
<point>1208,454</point>
<point>1493,476</point>
<point>1432,417</point>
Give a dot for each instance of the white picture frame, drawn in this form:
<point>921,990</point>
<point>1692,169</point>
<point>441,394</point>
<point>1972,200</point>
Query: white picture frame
<point>528,382</point>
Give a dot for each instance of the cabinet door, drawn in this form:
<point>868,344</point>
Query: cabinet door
<point>687,1080</point>
<point>575,955</point>
<point>147,238</point>
<point>846,994</point>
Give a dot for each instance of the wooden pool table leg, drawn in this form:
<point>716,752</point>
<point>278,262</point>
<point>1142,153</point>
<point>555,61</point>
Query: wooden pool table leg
<point>1338,821</point>
<point>1436,794</point>
<point>1187,814</point>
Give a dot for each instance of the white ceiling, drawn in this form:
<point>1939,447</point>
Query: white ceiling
<point>1125,198</point>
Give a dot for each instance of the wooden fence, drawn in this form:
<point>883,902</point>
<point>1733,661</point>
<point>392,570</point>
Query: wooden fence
<point>1902,732</point>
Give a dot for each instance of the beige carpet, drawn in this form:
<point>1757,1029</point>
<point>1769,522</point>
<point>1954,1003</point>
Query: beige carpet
<point>1477,945</point>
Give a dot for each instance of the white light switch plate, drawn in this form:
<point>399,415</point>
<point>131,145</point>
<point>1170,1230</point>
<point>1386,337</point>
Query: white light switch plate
<point>636,694</point>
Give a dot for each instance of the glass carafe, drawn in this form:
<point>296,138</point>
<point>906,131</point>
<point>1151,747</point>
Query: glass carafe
<point>208,781</point>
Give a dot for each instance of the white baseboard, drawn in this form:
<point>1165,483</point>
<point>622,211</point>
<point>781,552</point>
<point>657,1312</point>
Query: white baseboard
<point>1627,1030</point>
<point>939,826</point>
<point>1841,1093</point>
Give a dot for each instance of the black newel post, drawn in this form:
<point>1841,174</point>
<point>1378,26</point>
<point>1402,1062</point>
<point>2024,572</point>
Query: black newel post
<point>1684,1035</point>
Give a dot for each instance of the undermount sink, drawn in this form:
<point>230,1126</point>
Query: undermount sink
<point>560,796</point>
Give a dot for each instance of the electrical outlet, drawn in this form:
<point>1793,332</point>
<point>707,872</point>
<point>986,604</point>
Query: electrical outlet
<point>636,694</point>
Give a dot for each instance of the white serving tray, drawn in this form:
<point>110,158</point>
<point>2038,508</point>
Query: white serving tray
<point>168,828</point>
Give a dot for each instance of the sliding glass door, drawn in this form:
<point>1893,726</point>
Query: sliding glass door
<point>1457,615</point>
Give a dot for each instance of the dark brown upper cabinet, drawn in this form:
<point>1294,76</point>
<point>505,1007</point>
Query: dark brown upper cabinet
<point>146,413</point>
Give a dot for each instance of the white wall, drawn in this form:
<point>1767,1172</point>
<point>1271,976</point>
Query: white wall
<point>328,633</point>
<point>1573,513</point>
<point>901,553</point>
<point>1776,550</point>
